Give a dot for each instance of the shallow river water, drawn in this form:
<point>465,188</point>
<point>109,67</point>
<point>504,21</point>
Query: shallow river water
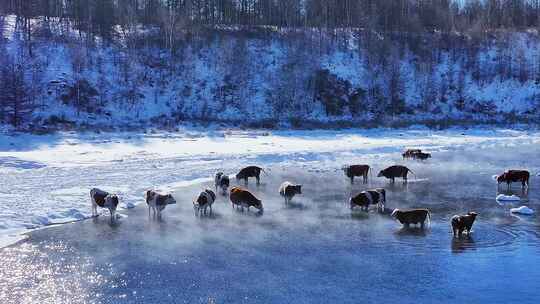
<point>313,251</point>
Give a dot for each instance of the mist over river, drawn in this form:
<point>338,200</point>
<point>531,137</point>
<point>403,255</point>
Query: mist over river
<point>313,251</point>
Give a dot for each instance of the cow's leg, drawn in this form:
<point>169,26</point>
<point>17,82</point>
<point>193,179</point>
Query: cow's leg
<point>94,208</point>
<point>258,177</point>
<point>246,181</point>
<point>352,180</point>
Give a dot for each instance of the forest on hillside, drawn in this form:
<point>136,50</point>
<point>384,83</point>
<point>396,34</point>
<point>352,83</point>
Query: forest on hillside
<point>268,62</point>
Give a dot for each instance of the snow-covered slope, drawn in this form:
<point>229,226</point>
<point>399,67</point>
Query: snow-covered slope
<point>281,80</point>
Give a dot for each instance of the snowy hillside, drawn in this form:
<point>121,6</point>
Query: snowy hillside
<point>276,79</point>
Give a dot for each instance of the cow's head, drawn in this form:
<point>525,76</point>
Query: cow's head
<point>258,204</point>
<point>297,189</point>
<point>473,214</point>
<point>381,173</point>
<point>501,178</point>
<point>396,213</point>
<point>169,199</point>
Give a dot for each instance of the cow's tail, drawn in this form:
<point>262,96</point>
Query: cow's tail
<point>412,173</point>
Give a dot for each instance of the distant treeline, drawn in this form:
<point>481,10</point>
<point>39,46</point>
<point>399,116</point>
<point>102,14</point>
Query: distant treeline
<point>440,53</point>
<point>101,16</point>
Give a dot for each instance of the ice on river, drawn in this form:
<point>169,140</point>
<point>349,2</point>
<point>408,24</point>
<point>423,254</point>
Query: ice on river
<point>46,179</point>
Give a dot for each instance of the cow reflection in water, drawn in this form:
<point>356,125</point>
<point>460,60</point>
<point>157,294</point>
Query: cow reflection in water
<point>463,243</point>
<point>411,231</point>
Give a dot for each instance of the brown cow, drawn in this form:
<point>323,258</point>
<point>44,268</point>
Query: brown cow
<point>251,171</point>
<point>413,216</point>
<point>243,198</point>
<point>357,170</point>
<point>462,223</point>
<point>103,199</point>
<point>395,171</point>
<point>512,176</point>
<point>370,197</point>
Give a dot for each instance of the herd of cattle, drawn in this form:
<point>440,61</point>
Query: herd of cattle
<point>243,198</point>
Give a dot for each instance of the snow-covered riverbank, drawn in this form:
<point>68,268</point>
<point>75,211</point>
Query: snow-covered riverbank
<point>46,179</point>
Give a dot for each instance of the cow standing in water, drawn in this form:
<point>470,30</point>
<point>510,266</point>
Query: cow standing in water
<point>157,202</point>
<point>462,223</point>
<point>395,171</point>
<point>410,153</point>
<point>416,154</point>
<point>204,201</point>
<point>412,217</point>
<point>244,199</point>
<point>513,176</point>
<point>103,199</point>
<point>251,171</point>
<point>357,170</point>
<point>369,197</point>
<point>289,190</point>
<point>222,181</point>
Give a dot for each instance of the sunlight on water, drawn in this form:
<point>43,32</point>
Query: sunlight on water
<point>28,275</point>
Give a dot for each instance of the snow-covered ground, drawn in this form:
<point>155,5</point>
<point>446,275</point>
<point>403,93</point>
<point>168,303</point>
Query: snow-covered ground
<point>46,179</point>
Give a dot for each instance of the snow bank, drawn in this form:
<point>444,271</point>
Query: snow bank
<point>508,198</point>
<point>67,216</point>
<point>522,210</point>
